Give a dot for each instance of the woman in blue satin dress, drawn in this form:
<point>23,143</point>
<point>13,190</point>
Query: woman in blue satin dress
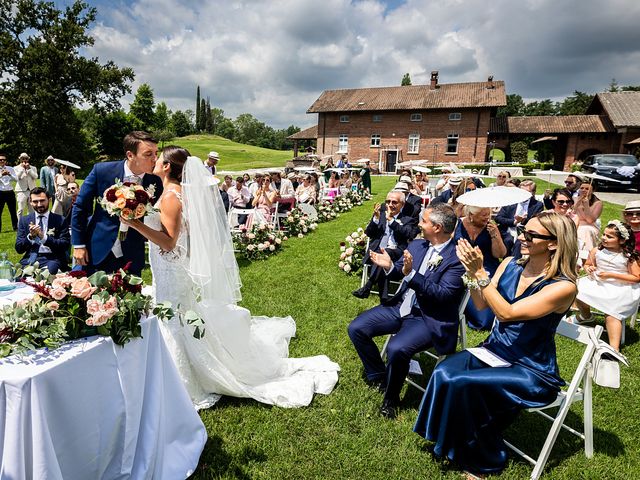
<point>476,227</point>
<point>469,403</point>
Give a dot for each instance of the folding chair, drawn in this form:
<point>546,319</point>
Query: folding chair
<point>580,389</point>
<point>462,339</point>
<point>277,215</point>
<point>232,218</point>
<point>309,211</point>
<point>365,276</point>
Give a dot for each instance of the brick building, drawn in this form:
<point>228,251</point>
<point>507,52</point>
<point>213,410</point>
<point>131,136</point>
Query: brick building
<point>436,122</point>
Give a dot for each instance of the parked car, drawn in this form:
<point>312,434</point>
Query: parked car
<point>616,166</point>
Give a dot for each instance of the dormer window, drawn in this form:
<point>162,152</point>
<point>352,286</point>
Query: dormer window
<point>416,117</point>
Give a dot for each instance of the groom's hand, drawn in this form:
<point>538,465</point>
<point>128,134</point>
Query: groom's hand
<point>81,255</point>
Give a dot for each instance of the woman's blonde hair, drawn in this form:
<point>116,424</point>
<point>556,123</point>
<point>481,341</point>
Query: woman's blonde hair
<point>472,210</point>
<point>564,258</point>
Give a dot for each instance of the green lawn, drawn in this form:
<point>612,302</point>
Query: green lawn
<point>342,436</point>
<point>233,156</point>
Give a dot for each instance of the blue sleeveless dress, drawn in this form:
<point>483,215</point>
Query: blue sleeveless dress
<point>468,404</point>
<point>479,319</point>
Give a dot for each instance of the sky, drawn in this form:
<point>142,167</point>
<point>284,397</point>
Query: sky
<point>274,58</point>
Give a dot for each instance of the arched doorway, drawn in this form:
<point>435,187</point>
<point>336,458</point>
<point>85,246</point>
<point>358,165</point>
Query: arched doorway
<point>589,151</point>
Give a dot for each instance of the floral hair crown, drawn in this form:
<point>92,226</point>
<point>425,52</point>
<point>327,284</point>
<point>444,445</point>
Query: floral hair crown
<point>624,233</point>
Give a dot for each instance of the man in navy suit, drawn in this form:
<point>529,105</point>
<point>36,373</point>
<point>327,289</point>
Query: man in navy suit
<point>422,314</point>
<point>94,233</point>
<point>42,235</point>
<point>391,230</point>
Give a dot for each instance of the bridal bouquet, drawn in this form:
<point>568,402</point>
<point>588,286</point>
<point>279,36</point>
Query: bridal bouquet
<point>71,305</point>
<point>352,252</point>
<point>128,200</point>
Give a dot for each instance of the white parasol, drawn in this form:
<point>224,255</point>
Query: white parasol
<point>363,161</point>
<point>493,197</point>
<point>67,163</point>
<point>304,169</point>
<point>421,169</point>
<point>413,163</point>
<point>468,175</point>
<point>595,176</point>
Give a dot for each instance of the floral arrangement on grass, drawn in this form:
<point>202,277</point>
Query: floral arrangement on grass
<point>259,242</point>
<point>352,252</point>
<point>298,223</point>
<point>358,197</point>
<point>128,200</point>
<point>326,211</point>
<point>342,204</point>
<point>71,305</point>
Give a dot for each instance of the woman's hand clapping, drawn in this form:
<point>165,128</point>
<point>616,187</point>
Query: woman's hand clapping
<point>470,257</point>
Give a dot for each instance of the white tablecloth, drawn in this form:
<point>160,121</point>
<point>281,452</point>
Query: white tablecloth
<point>94,410</point>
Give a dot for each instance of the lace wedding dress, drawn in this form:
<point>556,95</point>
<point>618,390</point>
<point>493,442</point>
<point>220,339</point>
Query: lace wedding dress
<point>239,355</point>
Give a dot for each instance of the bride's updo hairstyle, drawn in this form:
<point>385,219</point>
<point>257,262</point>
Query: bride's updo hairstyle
<point>176,157</point>
<point>563,261</point>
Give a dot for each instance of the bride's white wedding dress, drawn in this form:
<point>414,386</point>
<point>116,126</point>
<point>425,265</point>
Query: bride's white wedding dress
<point>239,355</point>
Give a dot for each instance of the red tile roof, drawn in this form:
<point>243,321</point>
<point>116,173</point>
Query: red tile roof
<point>413,97</point>
<point>310,133</point>
<point>552,124</point>
<point>623,108</point>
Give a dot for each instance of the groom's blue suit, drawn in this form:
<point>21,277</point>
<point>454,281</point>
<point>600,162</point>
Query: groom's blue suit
<point>94,228</point>
<point>433,320</point>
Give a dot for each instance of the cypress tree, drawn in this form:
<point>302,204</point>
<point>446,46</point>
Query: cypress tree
<point>198,108</point>
<point>203,116</point>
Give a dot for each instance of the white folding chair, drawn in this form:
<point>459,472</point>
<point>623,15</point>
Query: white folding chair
<point>309,211</point>
<point>365,276</point>
<point>232,217</point>
<point>580,389</point>
<point>462,339</point>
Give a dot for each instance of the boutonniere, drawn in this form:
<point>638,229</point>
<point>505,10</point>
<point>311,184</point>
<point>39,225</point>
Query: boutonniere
<point>434,261</point>
<point>51,232</point>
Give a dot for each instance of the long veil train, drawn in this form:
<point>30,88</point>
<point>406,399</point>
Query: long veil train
<point>239,355</point>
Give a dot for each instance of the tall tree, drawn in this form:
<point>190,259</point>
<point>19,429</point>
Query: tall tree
<point>406,80</point>
<point>44,75</point>
<point>514,108</point>
<point>217,115</point>
<point>161,117</point>
<point>143,106</point>
<point>198,107</point>
<point>201,127</point>
<point>208,118</point>
<point>181,123</point>
<point>540,108</point>
<point>575,104</point>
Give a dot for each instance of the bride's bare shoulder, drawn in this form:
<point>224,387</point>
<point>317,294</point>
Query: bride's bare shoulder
<point>171,200</point>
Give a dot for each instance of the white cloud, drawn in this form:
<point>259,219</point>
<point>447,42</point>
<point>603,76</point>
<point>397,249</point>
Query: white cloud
<point>273,59</point>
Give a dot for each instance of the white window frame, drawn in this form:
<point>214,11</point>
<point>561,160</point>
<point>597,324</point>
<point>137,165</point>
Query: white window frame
<point>376,140</point>
<point>343,143</point>
<point>451,137</point>
<point>416,117</point>
<point>344,118</point>
<point>455,116</point>
<point>414,143</point>
<point>377,118</point>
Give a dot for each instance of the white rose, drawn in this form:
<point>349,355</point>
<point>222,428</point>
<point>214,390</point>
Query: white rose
<point>343,248</point>
<point>343,256</point>
<point>348,238</point>
<point>272,248</point>
<point>347,268</point>
<point>305,230</point>
<point>341,265</point>
<point>251,248</point>
<point>260,246</point>
<point>300,235</point>
<point>278,241</point>
<point>354,235</point>
<point>350,251</point>
<point>348,259</point>
<point>251,236</point>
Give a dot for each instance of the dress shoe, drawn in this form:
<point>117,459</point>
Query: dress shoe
<point>361,292</point>
<point>388,410</point>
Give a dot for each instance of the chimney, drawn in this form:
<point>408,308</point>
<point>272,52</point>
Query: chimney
<point>490,82</point>
<point>434,80</point>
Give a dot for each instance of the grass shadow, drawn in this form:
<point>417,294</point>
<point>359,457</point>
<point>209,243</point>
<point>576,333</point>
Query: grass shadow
<point>218,461</point>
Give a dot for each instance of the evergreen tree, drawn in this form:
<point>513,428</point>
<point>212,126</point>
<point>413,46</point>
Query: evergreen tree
<point>406,80</point>
<point>143,106</point>
<point>198,107</point>
<point>208,118</point>
<point>202,126</point>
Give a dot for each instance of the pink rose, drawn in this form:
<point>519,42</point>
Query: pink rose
<point>81,288</point>
<point>100,318</point>
<point>58,293</point>
<point>62,280</point>
<point>53,306</point>
<point>93,306</point>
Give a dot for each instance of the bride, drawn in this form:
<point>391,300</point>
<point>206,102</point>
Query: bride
<point>194,267</point>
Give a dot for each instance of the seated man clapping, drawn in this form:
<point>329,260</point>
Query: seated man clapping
<point>424,311</point>
<point>389,229</point>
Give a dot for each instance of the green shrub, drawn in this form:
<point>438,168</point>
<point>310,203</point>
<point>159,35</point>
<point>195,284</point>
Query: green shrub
<point>519,152</point>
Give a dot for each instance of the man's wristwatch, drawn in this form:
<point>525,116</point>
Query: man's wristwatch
<point>483,282</point>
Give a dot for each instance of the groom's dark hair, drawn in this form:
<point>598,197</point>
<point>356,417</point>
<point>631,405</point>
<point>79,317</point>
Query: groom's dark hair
<point>133,139</point>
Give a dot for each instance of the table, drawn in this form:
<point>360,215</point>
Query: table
<point>94,410</point>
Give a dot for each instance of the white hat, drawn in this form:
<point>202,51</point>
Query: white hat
<point>213,154</point>
<point>50,157</point>
<point>23,155</point>
<point>291,175</point>
<point>401,187</point>
<point>455,181</point>
<point>632,206</point>
<point>406,179</point>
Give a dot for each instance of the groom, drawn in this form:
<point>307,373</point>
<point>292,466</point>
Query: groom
<point>422,314</point>
<point>94,233</point>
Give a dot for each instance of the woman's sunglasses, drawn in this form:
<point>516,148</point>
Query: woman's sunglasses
<point>564,202</point>
<point>529,236</point>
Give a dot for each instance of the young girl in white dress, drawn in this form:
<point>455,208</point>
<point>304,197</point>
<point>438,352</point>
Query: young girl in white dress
<point>612,285</point>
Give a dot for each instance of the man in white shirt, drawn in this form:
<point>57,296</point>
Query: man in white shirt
<point>7,197</point>
<point>26,176</point>
<point>239,197</point>
<point>285,190</point>
<point>212,162</point>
